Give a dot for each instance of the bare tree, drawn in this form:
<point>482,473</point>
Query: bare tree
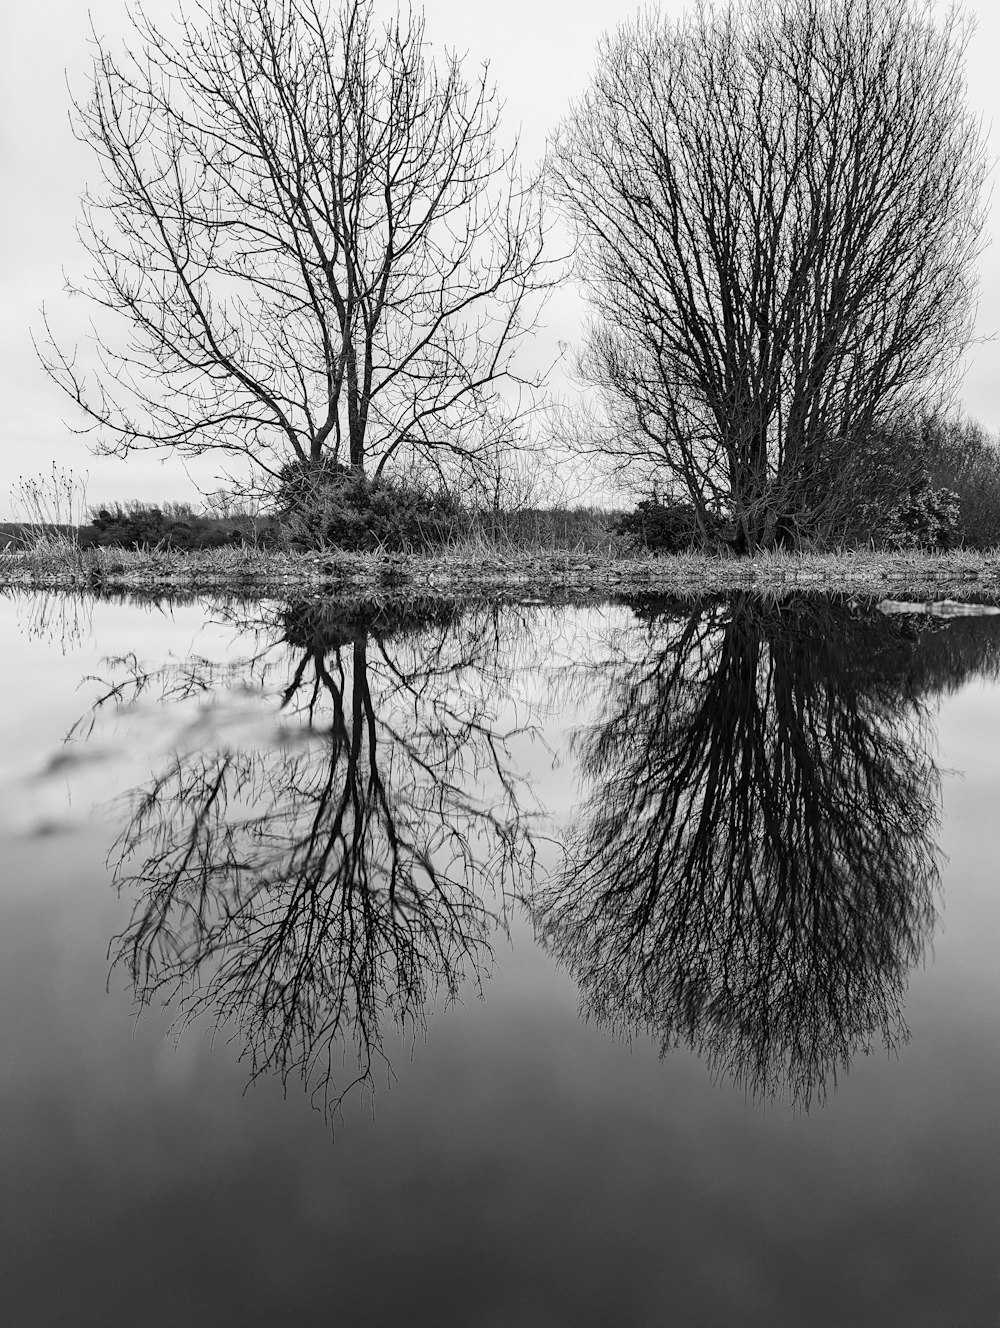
<point>321,251</point>
<point>777,211</point>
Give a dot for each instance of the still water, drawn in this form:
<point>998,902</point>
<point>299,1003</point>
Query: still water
<point>523,964</point>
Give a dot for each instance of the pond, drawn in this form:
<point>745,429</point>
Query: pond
<point>499,963</point>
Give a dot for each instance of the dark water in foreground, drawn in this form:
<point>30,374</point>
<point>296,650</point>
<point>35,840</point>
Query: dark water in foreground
<point>631,964</point>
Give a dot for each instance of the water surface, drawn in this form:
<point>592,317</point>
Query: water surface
<point>621,963</point>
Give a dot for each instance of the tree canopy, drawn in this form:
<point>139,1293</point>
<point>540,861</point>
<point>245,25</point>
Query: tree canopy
<point>319,249</point>
<point>777,213</point>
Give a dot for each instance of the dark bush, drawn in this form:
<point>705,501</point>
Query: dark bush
<point>140,527</point>
<point>661,527</point>
<point>129,528</point>
<point>904,463</point>
<point>927,518</point>
<point>328,505</point>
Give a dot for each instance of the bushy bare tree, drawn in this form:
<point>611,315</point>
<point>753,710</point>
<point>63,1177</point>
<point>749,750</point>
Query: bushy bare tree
<point>321,251</point>
<point>777,211</point>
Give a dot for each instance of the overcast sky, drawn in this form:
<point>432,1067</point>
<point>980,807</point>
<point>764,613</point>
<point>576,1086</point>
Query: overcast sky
<point>540,54</point>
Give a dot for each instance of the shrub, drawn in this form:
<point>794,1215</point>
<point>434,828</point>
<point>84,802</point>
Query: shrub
<point>328,505</point>
<point>919,481</point>
<point>927,518</point>
<point>963,457</point>
<point>905,462</point>
<point>661,527</point>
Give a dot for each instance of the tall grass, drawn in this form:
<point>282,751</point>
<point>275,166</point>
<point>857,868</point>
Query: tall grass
<point>50,507</point>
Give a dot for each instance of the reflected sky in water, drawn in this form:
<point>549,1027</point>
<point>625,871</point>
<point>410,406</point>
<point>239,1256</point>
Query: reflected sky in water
<point>638,957</point>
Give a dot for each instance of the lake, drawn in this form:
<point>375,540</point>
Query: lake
<point>597,963</point>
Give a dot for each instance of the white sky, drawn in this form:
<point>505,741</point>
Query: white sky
<point>540,54</point>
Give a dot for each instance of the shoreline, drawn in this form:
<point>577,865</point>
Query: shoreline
<point>452,573</point>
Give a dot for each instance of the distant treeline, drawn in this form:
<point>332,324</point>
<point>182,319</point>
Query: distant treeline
<point>395,525</point>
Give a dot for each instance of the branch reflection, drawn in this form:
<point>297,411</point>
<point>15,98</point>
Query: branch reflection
<point>754,871</point>
<point>312,889</point>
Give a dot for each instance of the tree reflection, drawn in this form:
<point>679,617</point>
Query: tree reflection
<point>313,887</point>
<point>334,837</point>
<point>754,872</point>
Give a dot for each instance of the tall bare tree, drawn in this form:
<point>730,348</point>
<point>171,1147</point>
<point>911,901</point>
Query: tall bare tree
<point>777,210</point>
<point>319,247</point>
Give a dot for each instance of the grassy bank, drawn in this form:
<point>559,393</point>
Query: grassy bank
<point>59,565</point>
